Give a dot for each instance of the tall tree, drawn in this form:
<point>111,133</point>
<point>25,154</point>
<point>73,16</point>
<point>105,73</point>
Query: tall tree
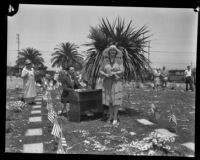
<point>129,40</point>
<point>32,54</point>
<point>66,55</point>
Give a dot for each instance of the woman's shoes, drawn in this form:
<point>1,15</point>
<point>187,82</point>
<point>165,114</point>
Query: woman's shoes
<point>115,123</point>
<point>108,123</point>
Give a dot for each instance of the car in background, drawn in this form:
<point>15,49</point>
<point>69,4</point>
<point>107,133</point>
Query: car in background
<point>176,75</point>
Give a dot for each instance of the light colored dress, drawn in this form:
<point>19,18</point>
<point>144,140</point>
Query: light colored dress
<point>157,78</point>
<point>29,84</point>
<point>112,86</point>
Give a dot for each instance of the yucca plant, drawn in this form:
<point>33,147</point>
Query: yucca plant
<point>130,41</point>
<point>66,55</point>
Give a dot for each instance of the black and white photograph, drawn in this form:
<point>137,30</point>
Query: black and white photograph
<point>103,80</point>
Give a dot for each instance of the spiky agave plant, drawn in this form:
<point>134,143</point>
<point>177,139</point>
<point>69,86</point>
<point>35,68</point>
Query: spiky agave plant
<point>129,40</point>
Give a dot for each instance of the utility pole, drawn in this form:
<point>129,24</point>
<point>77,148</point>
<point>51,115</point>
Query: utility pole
<point>18,43</point>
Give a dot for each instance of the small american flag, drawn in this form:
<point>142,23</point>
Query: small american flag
<point>172,117</point>
<point>60,149</point>
<point>52,115</point>
<point>56,131</point>
<point>63,141</point>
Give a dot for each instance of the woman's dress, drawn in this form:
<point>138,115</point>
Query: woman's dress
<point>112,86</point>
<point>29,84</point>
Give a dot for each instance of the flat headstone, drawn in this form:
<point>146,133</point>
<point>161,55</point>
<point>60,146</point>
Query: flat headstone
<point>133,103</point>
<point>34,132</point>
<point>33,148</point>
<point>165,132</point>
<point>156,101</point>
<point>132,133</point>
<point>36,106</point>
<point>36,112</point>
<point>35,119</point>
<point>145,122</point>
<point>38,99</point>
<point>190,155</point>
<point>189,145</point>
<point>192,112</point>
<point>38,102</point>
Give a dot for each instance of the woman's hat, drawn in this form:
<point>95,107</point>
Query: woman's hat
<point>27,61</point>
<point>106,51</point>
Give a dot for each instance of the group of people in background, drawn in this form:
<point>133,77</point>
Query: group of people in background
<point>160,78</point>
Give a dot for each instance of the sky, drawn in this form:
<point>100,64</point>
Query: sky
<point>173,41</point>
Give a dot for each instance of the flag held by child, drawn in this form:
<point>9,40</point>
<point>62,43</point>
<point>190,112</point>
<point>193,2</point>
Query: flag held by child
<point>52,115</point>
<point>56,131</point>
<point>60,149</point>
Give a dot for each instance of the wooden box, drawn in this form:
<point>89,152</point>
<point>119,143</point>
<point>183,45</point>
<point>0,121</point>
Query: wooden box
<point>85,100</point>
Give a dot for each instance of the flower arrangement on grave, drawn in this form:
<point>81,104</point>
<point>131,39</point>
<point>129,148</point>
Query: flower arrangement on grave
<point>154,144</point>
<point>16,106</point>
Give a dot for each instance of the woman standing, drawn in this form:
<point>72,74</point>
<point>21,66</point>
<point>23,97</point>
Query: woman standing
<point>157,75</point>
<point>29,82</point>
<point>112,73</point>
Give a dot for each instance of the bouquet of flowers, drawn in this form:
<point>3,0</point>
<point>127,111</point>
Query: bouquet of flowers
<point>17,106</point>
<point>159,142</point>
<point>152,145</point>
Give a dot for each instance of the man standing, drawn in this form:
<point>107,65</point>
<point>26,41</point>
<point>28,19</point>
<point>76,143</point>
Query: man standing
<point>188,78</point>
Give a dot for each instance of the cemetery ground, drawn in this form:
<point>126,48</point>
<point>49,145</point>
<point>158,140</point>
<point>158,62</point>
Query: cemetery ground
<point>17,124</point>
<point>92,136</point>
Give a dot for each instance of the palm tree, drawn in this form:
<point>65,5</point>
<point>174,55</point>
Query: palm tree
<point>66,55</point>
<point>32,54</point>
<point>129,40</point>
